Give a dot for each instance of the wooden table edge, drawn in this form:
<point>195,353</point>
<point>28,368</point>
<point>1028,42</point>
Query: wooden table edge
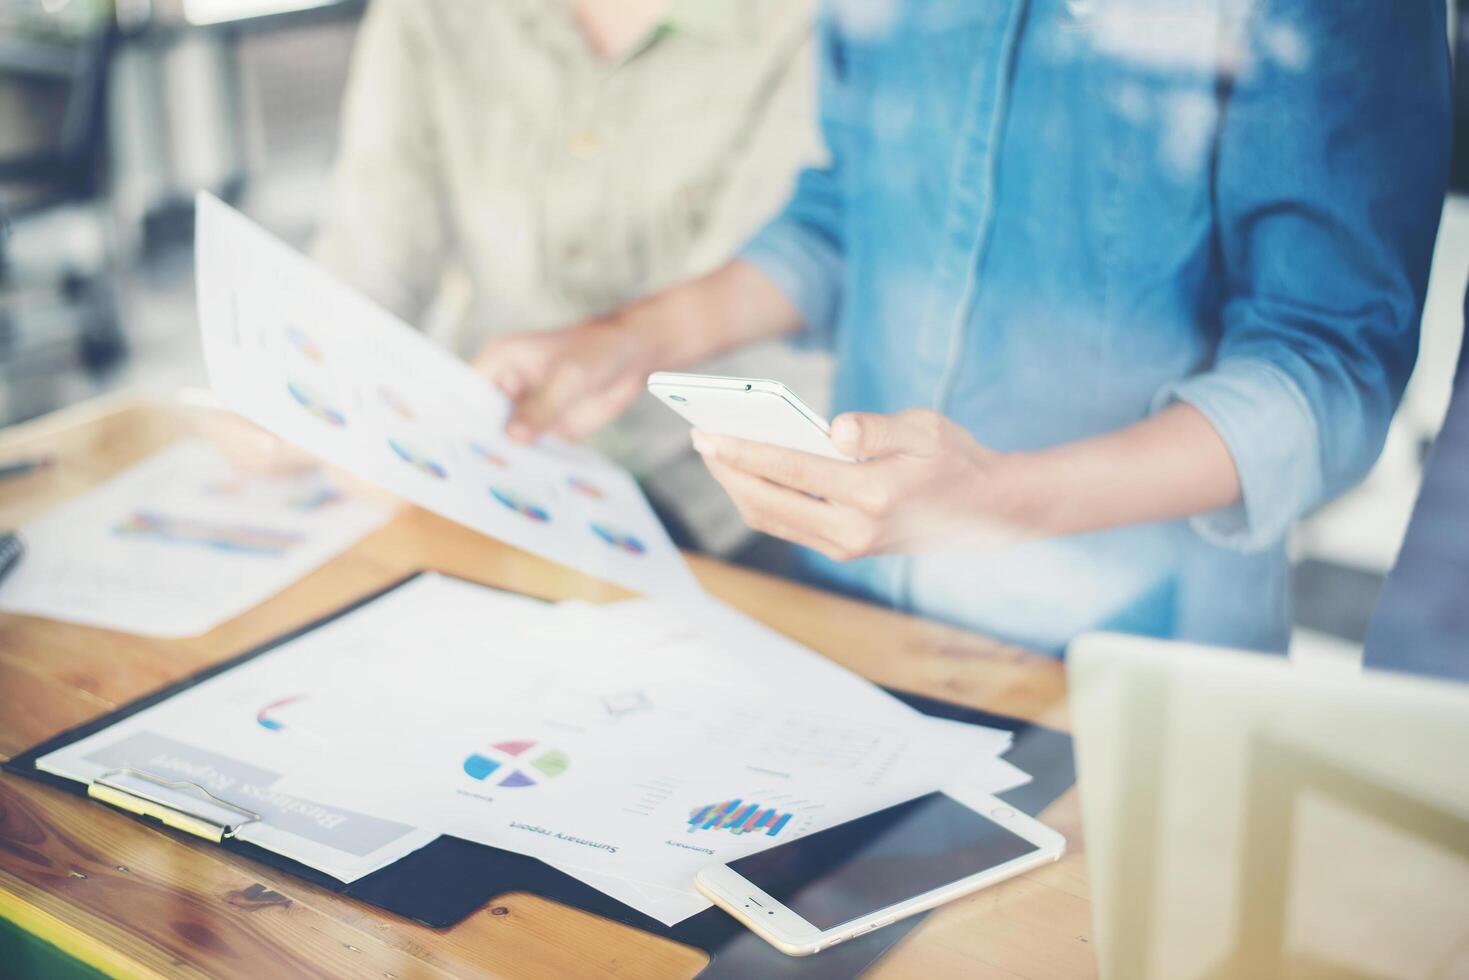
<point>69,938</point>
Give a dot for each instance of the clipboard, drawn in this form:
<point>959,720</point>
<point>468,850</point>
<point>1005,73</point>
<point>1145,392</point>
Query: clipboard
<point>449,879</point>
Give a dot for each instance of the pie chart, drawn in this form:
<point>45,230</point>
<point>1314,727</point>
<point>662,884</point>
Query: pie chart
<point>305,346</point>
<point>269,717</point>
<point>586,488</point>
<point>315,405</point>
<point>417,460</point>
<point>528,509</point>
<point>396,403</point>
<point>516,764</point>
<point>489,455</point>
<point>620,540</point>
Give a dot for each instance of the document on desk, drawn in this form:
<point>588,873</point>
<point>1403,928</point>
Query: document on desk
<point>239,734</point>
<point>671,905</point>
<point>182,542</point>
<point>311,360</point>
<point>593,741</point>
<point>626,745</point>
<point>671,897</point>
<point>236,736</point>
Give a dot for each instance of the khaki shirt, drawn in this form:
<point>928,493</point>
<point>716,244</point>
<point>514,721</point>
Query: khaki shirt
<point>485,144</point>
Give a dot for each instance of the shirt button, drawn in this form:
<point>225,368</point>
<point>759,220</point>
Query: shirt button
<point>585,144</point>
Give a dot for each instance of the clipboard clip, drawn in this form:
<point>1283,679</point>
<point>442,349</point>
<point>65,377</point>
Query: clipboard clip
<point>175,803</point>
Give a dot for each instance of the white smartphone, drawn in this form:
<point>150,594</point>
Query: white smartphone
<point>816,891</point>
<point>749,408</point>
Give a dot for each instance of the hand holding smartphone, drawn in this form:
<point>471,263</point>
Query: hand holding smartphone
<point>747,408</point>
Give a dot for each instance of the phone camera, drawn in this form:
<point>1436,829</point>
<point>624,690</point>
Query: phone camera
<point>677,398</point>
<point>749,387</point>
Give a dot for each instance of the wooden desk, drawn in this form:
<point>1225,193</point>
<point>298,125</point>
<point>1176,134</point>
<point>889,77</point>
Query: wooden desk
<point>139,901</point>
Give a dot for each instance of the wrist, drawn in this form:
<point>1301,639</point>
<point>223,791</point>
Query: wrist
<point>676,328</point>
<point>1031,495</point>
<point>730,307</point>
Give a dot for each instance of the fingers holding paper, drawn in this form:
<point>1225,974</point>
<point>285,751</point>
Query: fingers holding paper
<point>253,450</point>
<point>920,483</point>
<point>569,382</point>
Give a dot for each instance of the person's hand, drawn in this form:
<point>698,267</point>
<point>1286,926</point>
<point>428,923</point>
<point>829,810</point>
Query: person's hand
<point>578,379</point>
<point>922,483</point>
<point>571,381</point>
<point>259,455</point>
<point>253,450</point>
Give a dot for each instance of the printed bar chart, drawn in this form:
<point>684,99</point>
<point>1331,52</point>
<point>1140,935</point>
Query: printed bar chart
<point>158,526</point>
<point>739,817</point>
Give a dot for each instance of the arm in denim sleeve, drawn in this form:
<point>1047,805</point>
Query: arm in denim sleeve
<point>800,250</point>
<point>1331,170</point>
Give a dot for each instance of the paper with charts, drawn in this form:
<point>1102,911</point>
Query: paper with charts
<point>232,737</point>
<point>316,363</point>
<point>180,543</point>
<point>620,744</point>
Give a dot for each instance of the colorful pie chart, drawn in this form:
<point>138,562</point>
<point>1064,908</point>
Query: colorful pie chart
<point>316,405</point>
<point>488,456</point>
<point>521,506</point>
<point>396,403</point>
<point>305,346</point>
<point>269,717</point>
<point>417,460</point>
<point>620,540</point>
<point>516,764</point>
<point>586,488</point>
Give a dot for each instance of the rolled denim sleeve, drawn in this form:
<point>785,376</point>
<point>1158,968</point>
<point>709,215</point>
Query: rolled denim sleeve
<point>1263,417</point>
<point>801,249</point>
<point>806,266</point>
<point>1331,171</point>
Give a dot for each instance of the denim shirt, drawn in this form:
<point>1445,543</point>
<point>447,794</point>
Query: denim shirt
<point>1047,219</point>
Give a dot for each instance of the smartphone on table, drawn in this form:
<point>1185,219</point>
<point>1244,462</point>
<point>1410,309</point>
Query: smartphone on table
<point>748,408</point>
<point>820,890</point>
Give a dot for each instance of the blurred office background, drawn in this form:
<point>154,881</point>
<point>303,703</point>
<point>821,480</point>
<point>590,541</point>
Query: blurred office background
<point>112,114</point>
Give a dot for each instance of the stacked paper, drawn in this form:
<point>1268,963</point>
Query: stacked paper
<point>627,745</point>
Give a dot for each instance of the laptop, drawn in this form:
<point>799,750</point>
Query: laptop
<point>1247,818</point>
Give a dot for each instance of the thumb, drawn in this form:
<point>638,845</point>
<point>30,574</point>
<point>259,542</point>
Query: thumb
<point>496,363</point>
<point>867,434</point>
